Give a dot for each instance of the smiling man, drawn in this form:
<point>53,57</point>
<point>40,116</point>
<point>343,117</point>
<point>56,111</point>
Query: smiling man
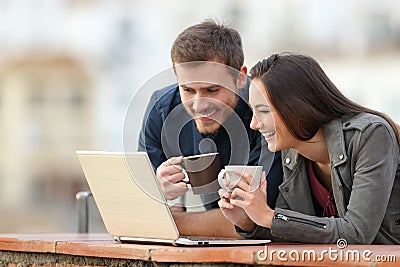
<point>209,92</point>
<point>209,105</point>
<point>207,111</point>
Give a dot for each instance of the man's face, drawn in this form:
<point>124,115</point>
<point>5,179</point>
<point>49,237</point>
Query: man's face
<point>209,94</point>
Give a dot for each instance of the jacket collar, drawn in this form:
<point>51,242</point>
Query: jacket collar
<point>335,141</point>
<point>290,158</point>
<point>336,146</point>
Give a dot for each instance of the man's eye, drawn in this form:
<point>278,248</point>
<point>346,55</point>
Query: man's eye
<point>188,90</point>
<point>212,90</point>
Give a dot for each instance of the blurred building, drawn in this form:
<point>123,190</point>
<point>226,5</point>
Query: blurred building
<point>69,68</point>
<point>45,115</point>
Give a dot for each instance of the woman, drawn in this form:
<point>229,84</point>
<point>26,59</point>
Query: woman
<point>340,161</point>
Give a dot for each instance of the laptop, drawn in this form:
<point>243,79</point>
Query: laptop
<point>131,203</point>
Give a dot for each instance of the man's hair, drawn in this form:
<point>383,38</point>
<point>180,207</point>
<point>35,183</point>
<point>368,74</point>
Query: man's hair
<point>208,41</point>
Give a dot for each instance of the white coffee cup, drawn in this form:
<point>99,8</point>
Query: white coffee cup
<point>234,173</point>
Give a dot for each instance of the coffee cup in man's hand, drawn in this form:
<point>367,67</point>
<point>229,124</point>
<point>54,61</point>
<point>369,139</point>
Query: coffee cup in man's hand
<point>202,171</point>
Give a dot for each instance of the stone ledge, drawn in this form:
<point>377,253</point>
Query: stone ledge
<point>109,249</point>
<point>102,250</point>
<point>26,259</point>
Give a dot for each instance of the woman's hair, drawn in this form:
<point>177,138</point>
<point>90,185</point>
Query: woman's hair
<point>304,96</point>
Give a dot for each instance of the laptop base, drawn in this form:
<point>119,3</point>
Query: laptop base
<point>194,241</point>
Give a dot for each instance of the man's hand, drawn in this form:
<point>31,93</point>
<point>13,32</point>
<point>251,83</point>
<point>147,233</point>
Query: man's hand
<point>170,177</point>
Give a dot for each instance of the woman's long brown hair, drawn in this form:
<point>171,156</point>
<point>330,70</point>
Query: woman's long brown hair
<point>304,95</point>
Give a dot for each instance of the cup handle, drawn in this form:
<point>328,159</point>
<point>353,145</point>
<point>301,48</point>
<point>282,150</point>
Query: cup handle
<point>221,179</point>
<point>186,179</point>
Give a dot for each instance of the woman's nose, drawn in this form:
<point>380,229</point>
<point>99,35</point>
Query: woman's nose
<point>254,123</point>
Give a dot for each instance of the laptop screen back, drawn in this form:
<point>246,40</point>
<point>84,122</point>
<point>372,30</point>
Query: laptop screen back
<point>127,194</point>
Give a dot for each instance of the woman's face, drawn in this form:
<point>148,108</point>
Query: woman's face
<point>267,120</point>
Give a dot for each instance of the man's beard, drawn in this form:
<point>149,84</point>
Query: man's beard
<point>206,130</point>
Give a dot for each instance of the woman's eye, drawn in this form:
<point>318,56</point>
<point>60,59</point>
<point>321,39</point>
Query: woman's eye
<point>264,111</point>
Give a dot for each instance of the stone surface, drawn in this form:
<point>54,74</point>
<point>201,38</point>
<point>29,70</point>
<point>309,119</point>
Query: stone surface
<point>108,249</point>
<point>240,255</point>
<point>53,250</point>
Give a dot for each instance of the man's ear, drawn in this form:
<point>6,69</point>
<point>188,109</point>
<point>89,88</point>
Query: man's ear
<point>242,77</point>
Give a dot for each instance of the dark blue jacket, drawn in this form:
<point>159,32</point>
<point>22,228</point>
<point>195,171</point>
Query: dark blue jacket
<point>168,131</point>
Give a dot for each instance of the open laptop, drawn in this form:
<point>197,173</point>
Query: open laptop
<point>131,203</point>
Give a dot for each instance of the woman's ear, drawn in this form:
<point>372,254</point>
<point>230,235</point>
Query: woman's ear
<point>242,77</point>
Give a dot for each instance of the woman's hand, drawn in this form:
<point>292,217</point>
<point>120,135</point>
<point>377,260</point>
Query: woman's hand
<point>253,202</point>
<point>233,213</point>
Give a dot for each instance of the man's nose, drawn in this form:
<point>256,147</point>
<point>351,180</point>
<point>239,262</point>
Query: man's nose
<point>200,103</point>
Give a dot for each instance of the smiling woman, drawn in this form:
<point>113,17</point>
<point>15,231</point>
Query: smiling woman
<point>341,165</point>
<point>267,120</point>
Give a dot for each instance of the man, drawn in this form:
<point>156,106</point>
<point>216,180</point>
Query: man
<point>206,111</point>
